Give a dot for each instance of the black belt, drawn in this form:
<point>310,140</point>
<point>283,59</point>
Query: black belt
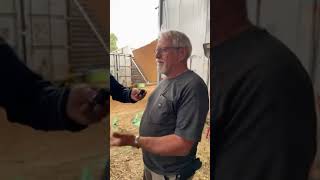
<point>188,171</point>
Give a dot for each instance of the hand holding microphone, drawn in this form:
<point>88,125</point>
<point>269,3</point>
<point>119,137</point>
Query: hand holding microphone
<point>138,94</point>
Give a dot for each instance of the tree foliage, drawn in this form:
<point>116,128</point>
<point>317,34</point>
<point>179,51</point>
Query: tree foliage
<point>113,42</point>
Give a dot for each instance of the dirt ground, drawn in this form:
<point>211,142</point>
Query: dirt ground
<point>126,162</point>
<point>27,154</point>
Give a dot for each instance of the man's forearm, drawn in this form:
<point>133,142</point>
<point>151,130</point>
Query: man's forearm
<point>170,145</point>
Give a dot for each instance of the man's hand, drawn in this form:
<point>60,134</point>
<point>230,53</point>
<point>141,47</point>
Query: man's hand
<point>119,139</point>
<point>80,108</point>
<point>138,94</point>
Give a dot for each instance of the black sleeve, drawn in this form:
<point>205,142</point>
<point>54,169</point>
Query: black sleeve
<point>271,133</point>
<point>119,92</point>
<point>30,100</point>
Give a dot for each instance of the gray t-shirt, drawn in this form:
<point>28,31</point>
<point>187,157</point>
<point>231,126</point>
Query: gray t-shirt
<point>177,106</point>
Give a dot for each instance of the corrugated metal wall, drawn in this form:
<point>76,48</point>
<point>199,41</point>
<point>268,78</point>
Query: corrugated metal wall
<point>86,52</point>
<point>52,37</point>
<point>297,24</point>
<point>46,37</point>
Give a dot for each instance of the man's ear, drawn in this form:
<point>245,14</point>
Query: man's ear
<point>182,53</point>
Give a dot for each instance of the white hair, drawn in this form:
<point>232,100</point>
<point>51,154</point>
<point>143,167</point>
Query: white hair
<point>178,39</point>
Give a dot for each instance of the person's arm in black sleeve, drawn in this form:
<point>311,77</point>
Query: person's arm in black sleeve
<point>119,92</point>
<point>30,100</point>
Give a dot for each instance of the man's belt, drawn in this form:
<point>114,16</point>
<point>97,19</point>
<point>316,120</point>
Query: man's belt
<point>189,170</point>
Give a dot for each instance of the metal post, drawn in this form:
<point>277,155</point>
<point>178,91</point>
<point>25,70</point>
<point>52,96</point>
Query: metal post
<point>139,70</point>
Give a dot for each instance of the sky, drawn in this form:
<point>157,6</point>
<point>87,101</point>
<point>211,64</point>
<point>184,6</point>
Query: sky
<point>134,22</point>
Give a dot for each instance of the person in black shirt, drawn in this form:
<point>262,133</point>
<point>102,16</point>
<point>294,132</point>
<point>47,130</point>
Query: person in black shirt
<point>30,100</point>
<point>263,105</point>
<point>125,94</point>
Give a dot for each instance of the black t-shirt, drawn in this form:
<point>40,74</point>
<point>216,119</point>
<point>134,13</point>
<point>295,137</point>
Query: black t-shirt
<point>177,106</point>
<point>264,120</point>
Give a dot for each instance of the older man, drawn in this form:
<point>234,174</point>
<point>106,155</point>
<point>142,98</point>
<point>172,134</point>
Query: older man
<point>174,118</point>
